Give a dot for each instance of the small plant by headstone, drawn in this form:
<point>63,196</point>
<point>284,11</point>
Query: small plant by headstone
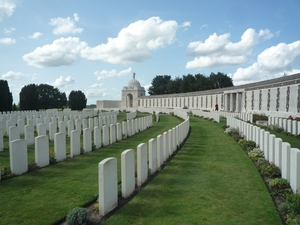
<point>5,172</point>
<point>230,130</point>
<point>52,158</point>
<point>291,208</point>
<point>270,170</point>
<point>32,166</point>
<point>255,154</point>
<point>78,216</point>
<point>279,187</point>
<point>247,145</point>
<point>276,128</point>
<point>259,117</point>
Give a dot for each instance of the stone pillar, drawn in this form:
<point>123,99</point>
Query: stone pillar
<point>238,102</point>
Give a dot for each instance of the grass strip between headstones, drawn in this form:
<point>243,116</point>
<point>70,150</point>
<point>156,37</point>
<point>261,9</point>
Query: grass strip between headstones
<point>210,181</point>
<point>46,195</point>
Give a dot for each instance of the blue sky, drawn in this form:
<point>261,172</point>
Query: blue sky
<point>95,46</point>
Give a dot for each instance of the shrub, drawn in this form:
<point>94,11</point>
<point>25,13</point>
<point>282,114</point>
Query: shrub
<point>261,162</point>
<point>247,145</point>
<point>5,172</point>
<point>52,158</point>
<point>291,208</point>
<point>293,201</point>
<point>154,117</point>
<point>96,206</point>
<point>293,219</point>
<point>276,128</point>
<point>279,187</point>
<point>224,127</point>
<point>237,136</point>
<point>77,216</point>
<point>255,154</point>
<point>270,170</point>
<point>231,130</point>
<point>259,117</point>
<point>32,166</point>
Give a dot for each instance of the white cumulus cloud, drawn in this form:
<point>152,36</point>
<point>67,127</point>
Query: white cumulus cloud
<point>65,25</point>
<point>105,74</point>
<point>63,51</point>
<point>272,62</point>
<point>7,41</point>
<point>7,8</point>
<point>36,35</point>
<point>218,51</point>
<point>11,75</point>
<point>62,82</point>
<point>8,31</point>
<point>135,42</point>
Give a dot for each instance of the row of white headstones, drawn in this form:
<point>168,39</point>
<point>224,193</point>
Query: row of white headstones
<point>150,158</point>
<point>275,150</point>
<point>104,129</point>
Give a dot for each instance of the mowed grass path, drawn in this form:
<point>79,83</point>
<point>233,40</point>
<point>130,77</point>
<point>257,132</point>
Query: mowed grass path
<point>46,195</point>
<point>210,181</point>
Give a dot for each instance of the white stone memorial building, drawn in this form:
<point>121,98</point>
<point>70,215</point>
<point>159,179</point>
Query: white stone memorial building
<point>279,96</point>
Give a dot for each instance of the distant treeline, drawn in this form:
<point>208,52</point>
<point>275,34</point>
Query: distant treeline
<point>163,84</point>
<point>42,96</point>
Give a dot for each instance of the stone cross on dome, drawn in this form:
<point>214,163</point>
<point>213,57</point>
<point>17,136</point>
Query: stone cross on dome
<point>133,75</point>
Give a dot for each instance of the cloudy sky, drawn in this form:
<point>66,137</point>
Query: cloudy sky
<point>96,45</point>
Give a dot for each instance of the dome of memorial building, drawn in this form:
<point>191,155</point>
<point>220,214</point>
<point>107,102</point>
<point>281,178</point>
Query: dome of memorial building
<point>133,83</point>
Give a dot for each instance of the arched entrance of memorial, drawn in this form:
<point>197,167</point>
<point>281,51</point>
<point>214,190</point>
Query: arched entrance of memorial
<point>131,93</point>
<point>129,101</point>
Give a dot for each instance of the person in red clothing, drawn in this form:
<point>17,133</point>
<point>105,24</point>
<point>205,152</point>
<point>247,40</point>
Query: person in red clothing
<point>216,107</point>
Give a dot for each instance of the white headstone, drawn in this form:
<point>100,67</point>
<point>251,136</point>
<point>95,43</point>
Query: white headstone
<point>42,150</point>
<point>29,134</point>
<point>18,157</point>
<point>87,140</point>
<point>142,167</point>
<point>152,155</point>
<point>159,151</point>
<point>75,143</point>
<point>97,137</point>
<point>60,146</point>
<point>105,135</point>
<point>286,160</point>
<point>127,172</point>
<point>295,170</point>
<point>108,185</point>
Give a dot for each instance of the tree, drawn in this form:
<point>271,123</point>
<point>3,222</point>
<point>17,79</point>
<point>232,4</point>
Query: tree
<point>202,82</point>
<point>29,98</point>
<point>174,85</point>
<point>220,80</point>
<point>159,85</point>
<point>6,98</point>
<point>77,100</point>
<point>50,97</point>
<point>188,83</point>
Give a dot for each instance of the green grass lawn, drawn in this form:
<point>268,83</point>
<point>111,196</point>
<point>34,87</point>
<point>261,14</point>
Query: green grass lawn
<point>210,181</point>
<point>46,195</point>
